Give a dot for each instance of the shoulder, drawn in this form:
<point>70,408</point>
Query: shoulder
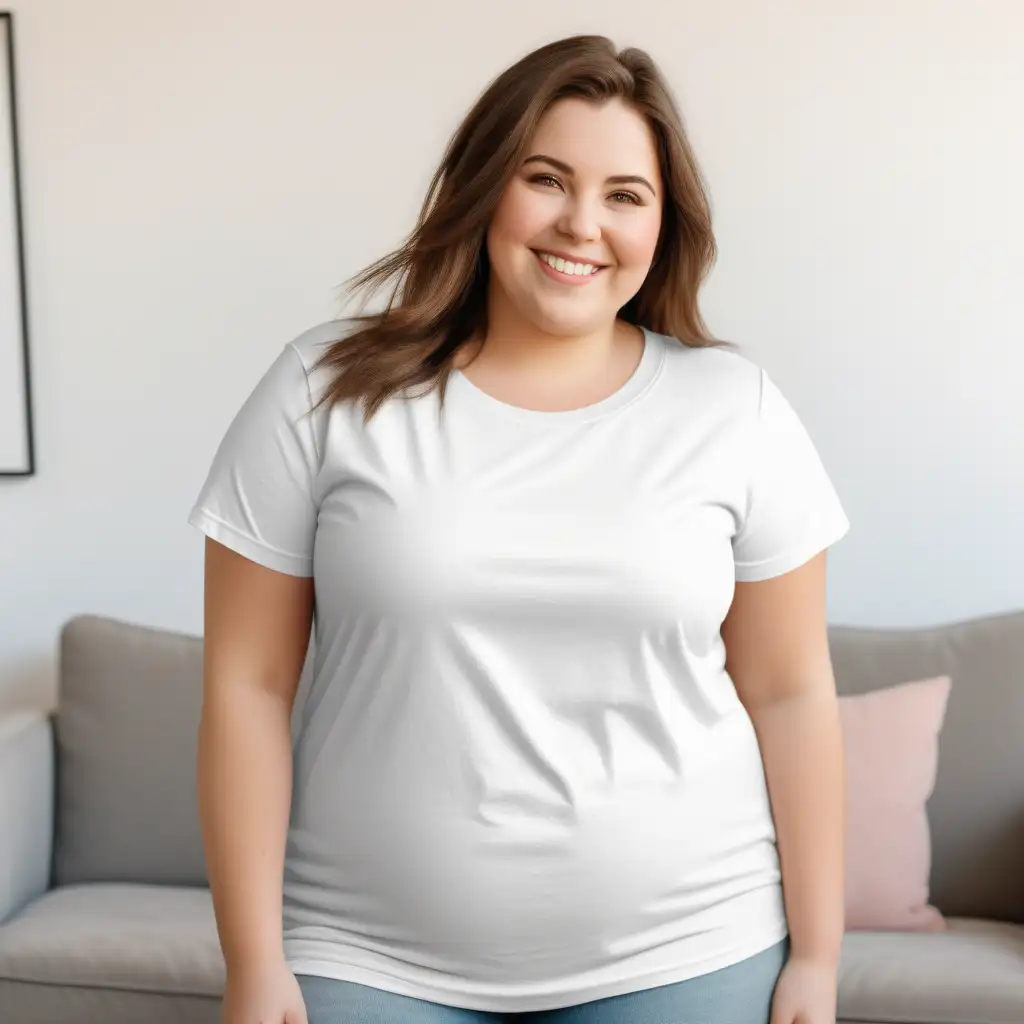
<point>312,344</point>
<point>295,376</point>
<point>287,390</point>
<point>714,376</point>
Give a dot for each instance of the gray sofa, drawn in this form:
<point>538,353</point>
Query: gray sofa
<point>105,916</point>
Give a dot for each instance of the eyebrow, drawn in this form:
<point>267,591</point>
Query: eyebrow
<point>617,179</point>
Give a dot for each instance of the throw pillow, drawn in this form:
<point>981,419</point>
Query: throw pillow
<point>891,740</point>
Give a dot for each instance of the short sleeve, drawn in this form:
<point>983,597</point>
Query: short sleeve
<point>259,495</point>
<point>792,510</point>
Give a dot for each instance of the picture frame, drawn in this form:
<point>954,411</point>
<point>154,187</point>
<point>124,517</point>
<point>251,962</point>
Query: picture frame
<point>17,448</point>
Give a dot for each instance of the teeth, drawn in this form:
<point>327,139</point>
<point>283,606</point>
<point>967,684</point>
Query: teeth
<point>577,269</point>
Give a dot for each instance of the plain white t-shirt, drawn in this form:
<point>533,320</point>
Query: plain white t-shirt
<point>523,778</point>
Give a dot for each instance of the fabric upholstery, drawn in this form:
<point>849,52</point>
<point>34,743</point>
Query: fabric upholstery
<point>26,809</point>
<point>976,813</point>
<point>129,938</point>
<point>127,721</point>
<point>971,973</point>
<point>891,743</point>
<point>32,1003</point>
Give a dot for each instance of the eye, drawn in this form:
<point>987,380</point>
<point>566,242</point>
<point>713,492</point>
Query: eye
<point>626,197</point>
<point>545,179</point>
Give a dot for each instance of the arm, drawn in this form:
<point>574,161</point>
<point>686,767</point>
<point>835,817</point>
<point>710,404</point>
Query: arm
<point>777,655</point>
<point>257,626</point>
<point>26,809</point>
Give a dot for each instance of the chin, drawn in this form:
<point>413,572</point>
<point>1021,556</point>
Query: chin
<point>562,327</point>
<point>566,323</point>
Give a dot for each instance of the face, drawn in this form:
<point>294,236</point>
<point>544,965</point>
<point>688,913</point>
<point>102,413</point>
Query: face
<point>575,231</point>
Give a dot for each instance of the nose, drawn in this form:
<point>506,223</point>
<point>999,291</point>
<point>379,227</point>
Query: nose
<point>579,219</point>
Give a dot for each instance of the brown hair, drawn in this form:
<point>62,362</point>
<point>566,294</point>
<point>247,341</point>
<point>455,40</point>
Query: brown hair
<point>438,300</point>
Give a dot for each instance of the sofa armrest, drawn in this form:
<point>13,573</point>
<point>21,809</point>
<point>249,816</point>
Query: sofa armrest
<point>26,808</point>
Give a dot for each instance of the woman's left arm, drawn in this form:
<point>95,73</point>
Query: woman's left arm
<point>777,654</point>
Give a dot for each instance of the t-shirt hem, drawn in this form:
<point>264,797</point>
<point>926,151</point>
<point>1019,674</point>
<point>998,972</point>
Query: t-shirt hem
<point>530,1002</point>
<point>231,537</point>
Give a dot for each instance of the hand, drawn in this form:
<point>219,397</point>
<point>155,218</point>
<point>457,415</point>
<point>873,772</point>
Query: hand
<point>805,993</point>
<point>263,995</point>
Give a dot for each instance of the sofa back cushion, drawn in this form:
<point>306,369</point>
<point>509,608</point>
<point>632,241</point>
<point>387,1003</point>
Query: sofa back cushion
<point>126,726</point>
<point>976,812</point>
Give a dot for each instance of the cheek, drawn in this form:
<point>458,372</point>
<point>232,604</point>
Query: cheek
<point>636,242</point>
<point>518,217</point>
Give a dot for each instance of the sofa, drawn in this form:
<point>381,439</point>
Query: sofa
<point>106,917</point>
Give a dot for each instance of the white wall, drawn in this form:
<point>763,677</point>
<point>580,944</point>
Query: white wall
<point>201,176</point>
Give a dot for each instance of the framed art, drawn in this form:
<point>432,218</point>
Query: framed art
<point>17,455</point>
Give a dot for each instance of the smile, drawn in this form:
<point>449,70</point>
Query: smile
<point>569,271</point>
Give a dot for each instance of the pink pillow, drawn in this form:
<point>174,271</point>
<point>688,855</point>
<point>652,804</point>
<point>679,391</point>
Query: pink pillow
<point>891,740</point>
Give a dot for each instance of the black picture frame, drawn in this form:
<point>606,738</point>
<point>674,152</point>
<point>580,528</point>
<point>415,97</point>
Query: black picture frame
<point>17,443</point>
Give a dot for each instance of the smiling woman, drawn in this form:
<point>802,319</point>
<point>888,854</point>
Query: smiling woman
<point>527,774</point>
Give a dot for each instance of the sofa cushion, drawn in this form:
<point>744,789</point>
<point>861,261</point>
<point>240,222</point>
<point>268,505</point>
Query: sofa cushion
<point>971,973</point>
<point>126,727</point>
<point>976,813</point>
<point>113,954</point>
<point>33,1003</point>
<point>139,938</point>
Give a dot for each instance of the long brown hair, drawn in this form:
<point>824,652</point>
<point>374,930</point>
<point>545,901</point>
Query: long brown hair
<point>440,275</point>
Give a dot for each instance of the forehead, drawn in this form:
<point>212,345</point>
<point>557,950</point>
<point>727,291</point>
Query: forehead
<point>607,138</point>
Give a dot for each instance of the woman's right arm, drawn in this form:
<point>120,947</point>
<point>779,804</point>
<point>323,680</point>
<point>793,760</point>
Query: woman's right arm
<point>256,635</point>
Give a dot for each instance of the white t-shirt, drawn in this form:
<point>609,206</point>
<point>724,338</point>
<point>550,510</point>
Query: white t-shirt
<point>523,778</point>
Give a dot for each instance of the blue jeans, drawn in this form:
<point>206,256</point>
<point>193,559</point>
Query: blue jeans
<point>740,994</point>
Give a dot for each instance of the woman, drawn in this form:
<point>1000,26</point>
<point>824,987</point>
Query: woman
<point>570,752</point>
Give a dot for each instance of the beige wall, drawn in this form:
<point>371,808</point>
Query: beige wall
<point>201,175</point>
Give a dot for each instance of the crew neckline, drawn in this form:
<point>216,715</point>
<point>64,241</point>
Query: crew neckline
<point>646,372</point>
